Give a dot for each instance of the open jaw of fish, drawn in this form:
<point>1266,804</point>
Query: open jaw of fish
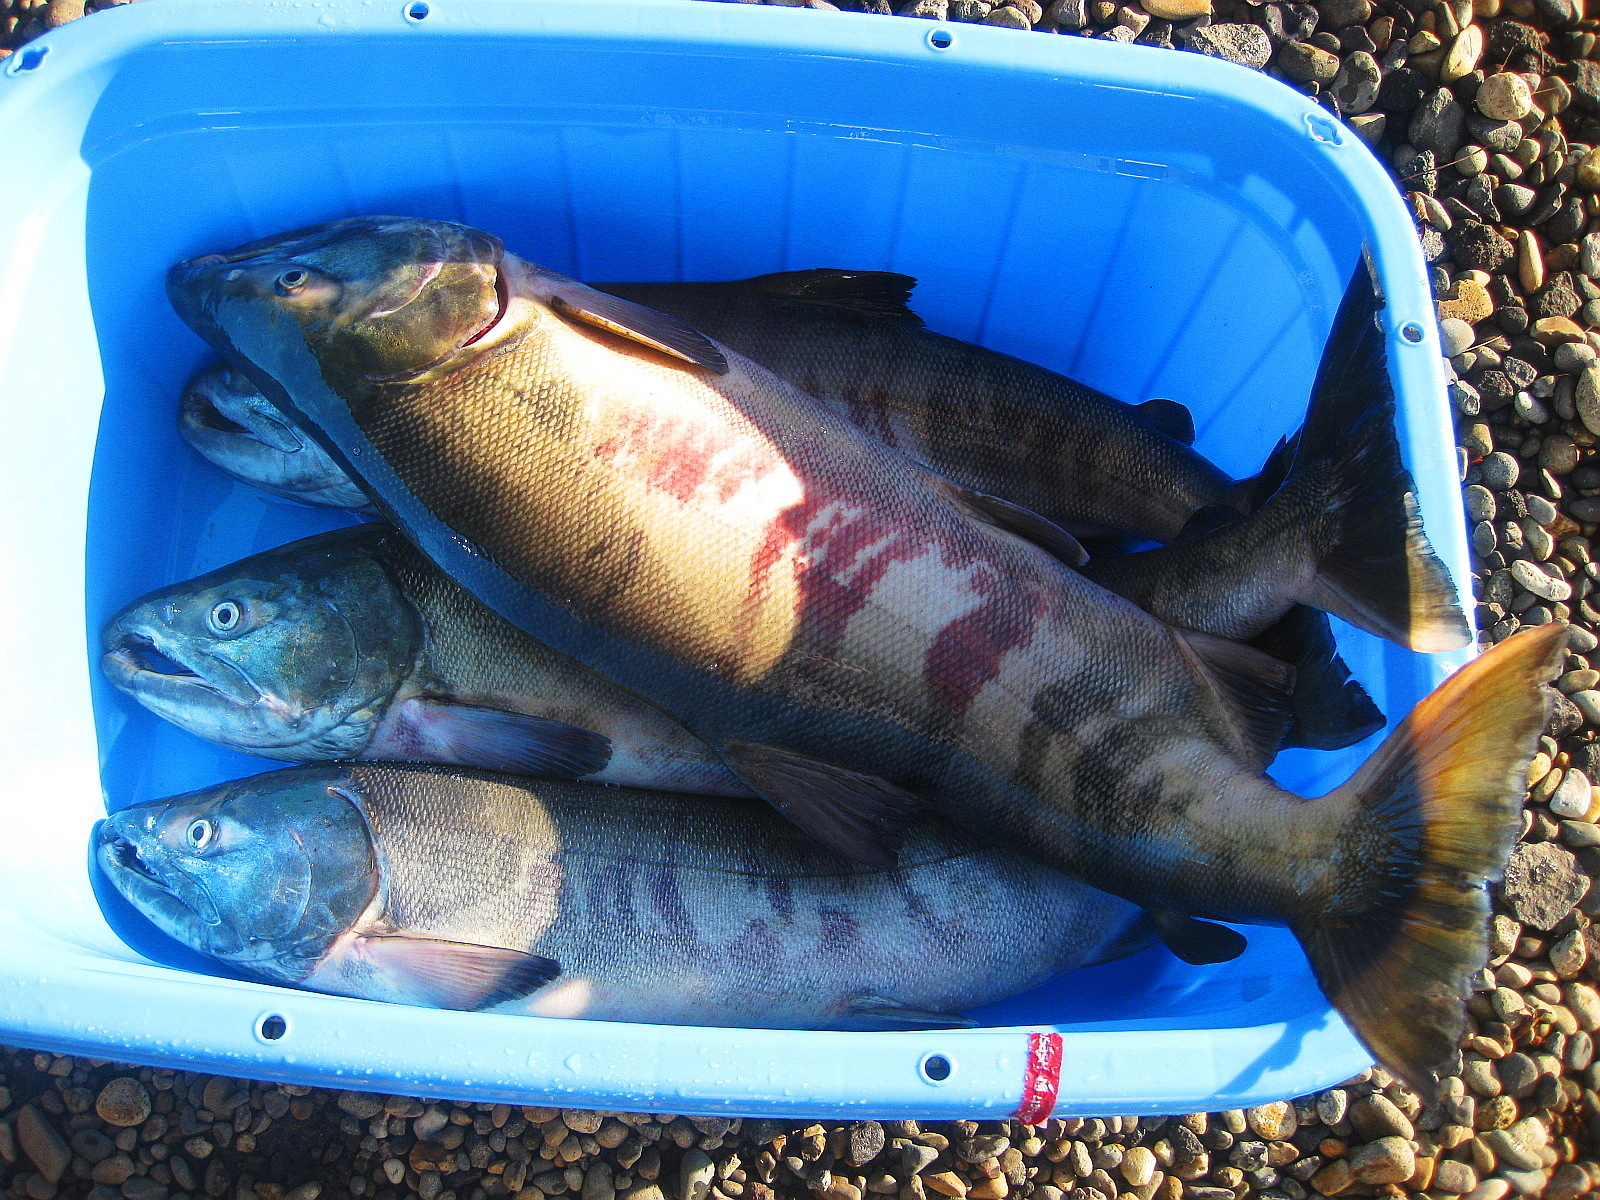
<point>852,637</point>
<point>212,657</point>
<point>210,694</point>
<point>469,890</point>
<point>233,425</point>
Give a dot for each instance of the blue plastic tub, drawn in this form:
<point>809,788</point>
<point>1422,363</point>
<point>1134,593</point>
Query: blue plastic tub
<point>1156,224</point>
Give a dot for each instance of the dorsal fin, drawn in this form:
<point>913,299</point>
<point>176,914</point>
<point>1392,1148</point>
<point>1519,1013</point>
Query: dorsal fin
<point>1170,417</point>
<point>881,293</point>
<point>1254,687</point>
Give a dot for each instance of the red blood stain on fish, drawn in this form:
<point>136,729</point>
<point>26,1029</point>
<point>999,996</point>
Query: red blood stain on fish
<point>967,652</point>
<point>695,458</point>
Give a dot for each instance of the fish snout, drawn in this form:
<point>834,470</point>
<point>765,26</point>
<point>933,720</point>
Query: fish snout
<point>117,851</point>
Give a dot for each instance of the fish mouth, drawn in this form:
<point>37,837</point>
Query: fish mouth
<point>136,664</point>
<point>123,854</point>
<point>202,414</point>
<point>169,901</point>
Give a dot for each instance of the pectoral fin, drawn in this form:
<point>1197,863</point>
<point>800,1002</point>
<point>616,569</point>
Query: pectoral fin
<point>467,735</point>
<point>856,815</point>
<point>637,323</point>
<point>1198,942</point>
<point>1170,418</point>
<point>1013,518</point>
<point>894,1015</point>
<point>444,974</point>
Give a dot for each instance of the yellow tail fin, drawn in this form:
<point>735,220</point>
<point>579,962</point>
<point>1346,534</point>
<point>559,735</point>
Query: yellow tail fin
<point>1434,814</point>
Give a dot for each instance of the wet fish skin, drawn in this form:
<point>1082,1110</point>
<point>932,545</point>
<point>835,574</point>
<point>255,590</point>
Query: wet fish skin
<point>1037,439</point>
<point>350,644</point>
<point>852,641</point>
<point>1234,583</point>
<point>612,904</point>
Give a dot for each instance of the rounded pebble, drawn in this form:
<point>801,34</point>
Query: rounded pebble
<point>1500,471</point>
<point>123,1102</point>
<point>1504,97</point>
<point>1456,336</point>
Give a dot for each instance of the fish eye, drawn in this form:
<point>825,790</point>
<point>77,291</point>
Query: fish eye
<point>225,616</point>
<point>292,281</point>
<point>200,833</point>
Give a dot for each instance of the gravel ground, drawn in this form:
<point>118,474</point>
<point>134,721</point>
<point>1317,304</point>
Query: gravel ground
<point>1489,113</point>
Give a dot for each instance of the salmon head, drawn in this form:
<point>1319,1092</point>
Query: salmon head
<point>369,299</point>
<point>264,873</point>
<point>291,654</point>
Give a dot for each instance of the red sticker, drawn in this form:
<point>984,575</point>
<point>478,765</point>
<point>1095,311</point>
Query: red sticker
<point>1042,1080</point>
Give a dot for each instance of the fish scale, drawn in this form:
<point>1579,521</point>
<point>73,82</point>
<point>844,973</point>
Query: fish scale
<point>990,421</point>
<point>830,658</point>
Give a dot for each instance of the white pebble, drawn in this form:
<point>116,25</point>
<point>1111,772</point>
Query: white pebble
<point>1572,798</point>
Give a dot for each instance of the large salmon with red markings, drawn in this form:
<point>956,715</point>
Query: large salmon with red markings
<point>855,635</point>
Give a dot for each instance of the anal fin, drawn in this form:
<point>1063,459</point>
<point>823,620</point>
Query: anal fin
<point>1255,688</point>
<point>1331,708</point>
<point>1208,520</point>
<point>856,815</point>
<point>894,1015</point>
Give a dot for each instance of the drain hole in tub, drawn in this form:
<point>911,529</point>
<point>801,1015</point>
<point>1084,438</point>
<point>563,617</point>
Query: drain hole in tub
<point>936,1068</point>
<point>30,59</point>
<point>1323,128</point>
<point>271,1028</point>
<point>1412,333</point>
<point>419,11</point>
<point>940,39</point>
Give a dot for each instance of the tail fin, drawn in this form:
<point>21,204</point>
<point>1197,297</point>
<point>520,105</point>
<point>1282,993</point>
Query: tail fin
<point>1434,815</point>
<point>1380,573</point>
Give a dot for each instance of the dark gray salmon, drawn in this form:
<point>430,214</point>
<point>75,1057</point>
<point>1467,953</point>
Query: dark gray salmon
<point>352,645</point>
<point>849,635</point>
<point>466,890</point>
